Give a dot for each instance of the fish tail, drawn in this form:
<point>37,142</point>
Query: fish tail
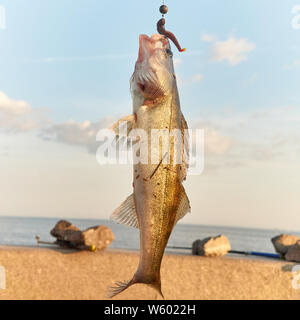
<point>120,286</point>
<point>157,287</point>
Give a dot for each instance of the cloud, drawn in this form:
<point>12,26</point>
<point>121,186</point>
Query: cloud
<point>240,142</point>
<point>232,137</point>
<point>77,133</point>
<point>18,115</point>
<point>196,78</point>
<point>260,137</point>
<point>232,50</point>
<point>292,65</point>
<point>177,62</point>
<point>215,142</point>
<point>207,37</point>
<point>83,134</point>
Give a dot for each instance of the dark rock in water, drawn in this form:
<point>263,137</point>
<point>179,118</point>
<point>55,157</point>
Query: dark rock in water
<point>211,246</point>
<point>283,242</point>
<point>293,253</point>
<point>94,238</point>
<point>61,228</point>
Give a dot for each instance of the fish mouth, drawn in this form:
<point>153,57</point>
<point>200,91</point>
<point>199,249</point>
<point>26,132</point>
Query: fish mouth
<point>144,75</point>
<point>146,47</point>
<point>148,63</point>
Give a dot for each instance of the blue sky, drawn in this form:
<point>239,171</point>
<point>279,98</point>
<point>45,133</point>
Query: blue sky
<point>239,79</point>
<point>95,44</point>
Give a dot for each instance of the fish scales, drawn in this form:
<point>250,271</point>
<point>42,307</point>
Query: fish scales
<point>158,200</point>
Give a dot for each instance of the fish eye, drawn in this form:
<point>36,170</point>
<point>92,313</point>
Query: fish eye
<point>169,52</point>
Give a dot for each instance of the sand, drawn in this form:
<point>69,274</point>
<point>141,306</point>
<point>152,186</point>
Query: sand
<point>44,273</point>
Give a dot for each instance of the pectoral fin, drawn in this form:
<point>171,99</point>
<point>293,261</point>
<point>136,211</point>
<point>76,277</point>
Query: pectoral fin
<point>119,127</point>
<point>184,205</point>
<point>126,213</point>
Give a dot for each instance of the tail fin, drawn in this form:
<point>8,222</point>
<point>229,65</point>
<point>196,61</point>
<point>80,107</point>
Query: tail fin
<point>120,286</point>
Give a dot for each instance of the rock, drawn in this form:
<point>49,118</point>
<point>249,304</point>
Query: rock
<point>94,238</point>
<point>59,231</point>
<point>211,246</point>
<point>99,236</point>
<point>283,242</point>
<point>293,253</point>
<point>195,247</point>
<point>66,234</point>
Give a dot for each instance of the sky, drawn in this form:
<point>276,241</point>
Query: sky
<point>64,74</point>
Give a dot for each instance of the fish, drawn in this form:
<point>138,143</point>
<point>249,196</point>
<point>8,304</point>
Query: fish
<point>159,199</point>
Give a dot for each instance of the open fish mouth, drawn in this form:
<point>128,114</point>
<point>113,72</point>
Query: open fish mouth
<point>152,75</point>
<point>148,45</point>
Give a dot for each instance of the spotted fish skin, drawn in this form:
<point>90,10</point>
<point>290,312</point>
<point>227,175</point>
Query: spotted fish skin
<point>159,199</point>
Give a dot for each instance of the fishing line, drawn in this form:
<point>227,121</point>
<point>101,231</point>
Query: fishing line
<point>163,9</point>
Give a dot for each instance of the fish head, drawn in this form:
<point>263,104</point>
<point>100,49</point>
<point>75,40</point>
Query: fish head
<point>154,75</point>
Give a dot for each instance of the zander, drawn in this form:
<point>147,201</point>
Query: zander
<point>159,199</point>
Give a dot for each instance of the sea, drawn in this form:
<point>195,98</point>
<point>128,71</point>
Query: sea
<point>22,231</point>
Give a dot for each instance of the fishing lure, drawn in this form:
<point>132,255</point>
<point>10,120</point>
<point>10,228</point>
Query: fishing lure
<point>161,29</point>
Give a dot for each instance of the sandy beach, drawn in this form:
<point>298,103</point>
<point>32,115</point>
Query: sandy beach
<point>44,273</point>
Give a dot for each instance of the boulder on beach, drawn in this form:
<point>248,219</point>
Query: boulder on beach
<point>93,238</point>
<point>293,253</point>
<point>61,227</point>
<point>211,246</point>
<point>283,242</point>
<point>99,236</point>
